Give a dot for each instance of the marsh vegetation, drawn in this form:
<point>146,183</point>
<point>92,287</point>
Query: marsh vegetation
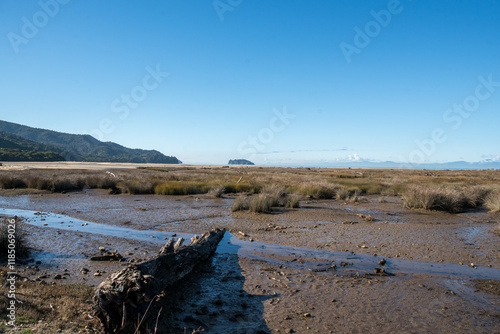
<point>265,188</point>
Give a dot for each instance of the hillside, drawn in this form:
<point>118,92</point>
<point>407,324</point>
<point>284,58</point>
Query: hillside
<point>15,148</point>
<point>81,147</point>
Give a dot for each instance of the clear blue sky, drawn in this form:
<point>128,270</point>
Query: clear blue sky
<point>359,80</point>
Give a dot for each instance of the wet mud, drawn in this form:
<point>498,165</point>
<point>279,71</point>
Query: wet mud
<point>311,269</point>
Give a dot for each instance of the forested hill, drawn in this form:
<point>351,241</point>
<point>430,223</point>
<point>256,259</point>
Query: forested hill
<point>72,147</point>
<point>15,148</point>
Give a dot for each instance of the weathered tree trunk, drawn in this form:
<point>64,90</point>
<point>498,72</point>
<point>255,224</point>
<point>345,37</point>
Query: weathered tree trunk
<point>126,294</point>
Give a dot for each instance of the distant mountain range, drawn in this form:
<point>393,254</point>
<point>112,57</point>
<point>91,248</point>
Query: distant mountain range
<point>397,165</point>
<point>23,143</point>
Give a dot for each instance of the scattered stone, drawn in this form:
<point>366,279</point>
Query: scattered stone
<point>349,222</point>
<point>57,276</point>
<point>108,256</point>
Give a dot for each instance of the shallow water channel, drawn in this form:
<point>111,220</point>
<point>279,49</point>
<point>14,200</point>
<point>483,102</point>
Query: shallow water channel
<point>313,260</point>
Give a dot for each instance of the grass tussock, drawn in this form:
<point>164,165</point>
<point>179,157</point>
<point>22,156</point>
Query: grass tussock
<point>492,202</point>
<point>182,188</point>
<point>136,187</point>
<point>45,182</point>
<point>262,203</point>
<point>217,191</point>
<point>293,201</point>
<point>240,204</point>
<point>271,196</point>
<point>21,250</point>
<point>320,190</point>
<point>444,198</point>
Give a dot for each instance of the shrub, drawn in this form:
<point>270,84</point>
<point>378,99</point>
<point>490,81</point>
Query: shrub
<point>20,244</point>
<point>492,202</point>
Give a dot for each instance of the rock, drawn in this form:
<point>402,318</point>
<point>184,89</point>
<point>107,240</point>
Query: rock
<point>307,315</point>
<point>382,262</point>
<point>102,249</point>
<point>108,256</point>
<point>57,276</point>
<point>96,274</point>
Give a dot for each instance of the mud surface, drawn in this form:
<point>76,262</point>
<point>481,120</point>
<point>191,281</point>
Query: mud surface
<point>303,270</point>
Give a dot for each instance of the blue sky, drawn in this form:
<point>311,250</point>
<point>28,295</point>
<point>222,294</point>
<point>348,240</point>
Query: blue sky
<point>272,81</point>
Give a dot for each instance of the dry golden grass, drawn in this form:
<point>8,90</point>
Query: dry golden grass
<point>492,201</point>
<point>61,307</point>
<point>453,189</point>
<point>450,198</point>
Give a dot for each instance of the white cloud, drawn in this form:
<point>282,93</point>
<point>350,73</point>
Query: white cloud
<point>354,157</point>
<point>491,158</point>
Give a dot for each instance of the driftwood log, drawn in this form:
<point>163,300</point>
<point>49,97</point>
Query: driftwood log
<point>125,295</point>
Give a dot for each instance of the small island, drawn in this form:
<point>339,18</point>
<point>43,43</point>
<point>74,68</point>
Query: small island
<point>240,162</point>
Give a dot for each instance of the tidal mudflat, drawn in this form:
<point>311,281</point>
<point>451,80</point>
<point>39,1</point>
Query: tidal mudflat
<point>330,265</point>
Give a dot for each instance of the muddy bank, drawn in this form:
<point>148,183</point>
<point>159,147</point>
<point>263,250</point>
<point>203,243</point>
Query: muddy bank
<point>424,236</point>
<point>254,287</point>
